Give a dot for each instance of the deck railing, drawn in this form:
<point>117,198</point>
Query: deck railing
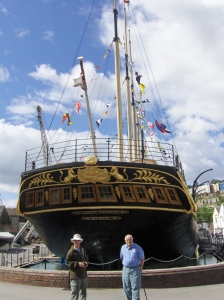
<point>107,150</point>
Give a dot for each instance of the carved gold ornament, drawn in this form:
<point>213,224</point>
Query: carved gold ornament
<point>74,193</point>
<point>148,176</point>
<point>114,172</point>
<point>91,160</point>
<point>42,179</point>
<point>150,192</point>
<point>71,175</point>
<point>46,194</point>
<point>117,190</point>
<point>93,174</point>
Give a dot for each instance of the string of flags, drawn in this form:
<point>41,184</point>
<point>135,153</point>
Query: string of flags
<point>66,116</point>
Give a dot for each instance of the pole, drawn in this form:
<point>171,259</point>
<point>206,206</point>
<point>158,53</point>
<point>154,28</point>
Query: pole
<point>87,106</point>
<point>118,87</point>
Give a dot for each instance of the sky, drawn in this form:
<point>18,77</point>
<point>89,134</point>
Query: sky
<point>40,43</point>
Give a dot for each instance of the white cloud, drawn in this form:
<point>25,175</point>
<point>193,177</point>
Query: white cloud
<point>4,74</point>
<point>3,9</point>
<point>49,36</point>
<point>22,32</point>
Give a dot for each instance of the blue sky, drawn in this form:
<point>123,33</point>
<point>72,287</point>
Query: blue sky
<point>40,42</point>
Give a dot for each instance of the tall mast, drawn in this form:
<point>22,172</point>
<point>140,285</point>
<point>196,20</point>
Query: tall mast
<point>127,89</point>
<point>118,87</point>
<point>133,110</point>
<point>87,105</point>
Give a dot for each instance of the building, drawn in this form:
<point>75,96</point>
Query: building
<point>218,219</point>
<point>6,237</point>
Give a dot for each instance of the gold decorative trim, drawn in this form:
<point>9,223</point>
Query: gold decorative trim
<point>71,175</point>
<point>108,207</point>
<point>150,192</point>
<point>114,173</point>
<point>42,179</point>
<point>93,174</point>
<point>75,193</point>
<point>118,192</point>
<point>148,176</point>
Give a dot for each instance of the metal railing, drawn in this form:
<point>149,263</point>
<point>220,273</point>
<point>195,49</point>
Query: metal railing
<point>107,150</point>
<point>17,257</point>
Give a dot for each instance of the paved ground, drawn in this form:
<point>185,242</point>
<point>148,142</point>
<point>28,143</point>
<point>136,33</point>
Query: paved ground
<point>24,292</point>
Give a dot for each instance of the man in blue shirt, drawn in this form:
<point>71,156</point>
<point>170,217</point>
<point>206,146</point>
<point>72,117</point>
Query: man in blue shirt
<point>133,259</point>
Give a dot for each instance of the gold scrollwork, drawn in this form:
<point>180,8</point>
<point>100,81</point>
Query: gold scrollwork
<point>42,179</point>
<point>46,194</point>
<point>148,176</point>
<point>150,192</point>
<point>118,192</point>
<point>75,193</point>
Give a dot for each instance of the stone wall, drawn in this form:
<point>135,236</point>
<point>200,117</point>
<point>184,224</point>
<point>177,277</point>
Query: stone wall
<point>163,278</point>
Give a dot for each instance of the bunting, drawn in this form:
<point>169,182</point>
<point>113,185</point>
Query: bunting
<point>66,116</point>
<point>161,127</point>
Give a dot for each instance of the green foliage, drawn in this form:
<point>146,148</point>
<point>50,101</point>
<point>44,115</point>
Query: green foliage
<point>205,213</point>
<point>214,181</point>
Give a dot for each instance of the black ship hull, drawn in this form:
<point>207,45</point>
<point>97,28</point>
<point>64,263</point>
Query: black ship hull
<point>105,202</point>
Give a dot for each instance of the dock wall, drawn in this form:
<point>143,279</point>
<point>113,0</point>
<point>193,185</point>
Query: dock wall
<point>160,278</point>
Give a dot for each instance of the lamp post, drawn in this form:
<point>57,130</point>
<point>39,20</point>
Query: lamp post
<point>195,181</point>
<point>198,187</point>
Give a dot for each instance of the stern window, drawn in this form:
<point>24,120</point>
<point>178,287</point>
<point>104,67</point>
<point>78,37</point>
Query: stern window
<point>66,195</point>
<point>141,194</point>
<point>105,193</point>
<point>54,196</point>
<point>39,198</point>
<point>127,193</point>
<point>160,195</point>
<point>172,196</point>
<point>86,194</point>
<point>30,199</point>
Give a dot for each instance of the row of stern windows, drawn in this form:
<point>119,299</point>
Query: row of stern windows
<point>102,193</point>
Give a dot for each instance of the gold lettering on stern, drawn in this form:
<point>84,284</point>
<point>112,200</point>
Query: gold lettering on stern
<point>111,218</point>
<point>100,212</point>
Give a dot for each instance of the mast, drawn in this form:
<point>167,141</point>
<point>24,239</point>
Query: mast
<point>84,86</point>
<point>127,89</point>
<point>118,87</point>
<point>133,109</point>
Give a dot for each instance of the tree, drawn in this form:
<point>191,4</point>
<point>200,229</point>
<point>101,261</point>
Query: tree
<point>205,213</point>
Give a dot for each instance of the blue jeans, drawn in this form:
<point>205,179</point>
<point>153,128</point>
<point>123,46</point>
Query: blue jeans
<point>131,279</point>
<point>78,287</point>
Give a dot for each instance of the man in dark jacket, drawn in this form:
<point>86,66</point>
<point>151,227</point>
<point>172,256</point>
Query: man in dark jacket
<point>77,261</point>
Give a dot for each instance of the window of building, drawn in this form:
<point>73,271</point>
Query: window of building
<point>54,196</point>
<point>141,193</point>
<point>105,193</point>
<point>172,196</point>
<point>160,195</point>
<point>86,193</point>
<point>29,199</point>
<point>127,193</point>
<point>39,198</point>
<point>66,195</point>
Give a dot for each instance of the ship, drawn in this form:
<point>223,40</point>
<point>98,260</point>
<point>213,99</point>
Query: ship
<point>107,186</point>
